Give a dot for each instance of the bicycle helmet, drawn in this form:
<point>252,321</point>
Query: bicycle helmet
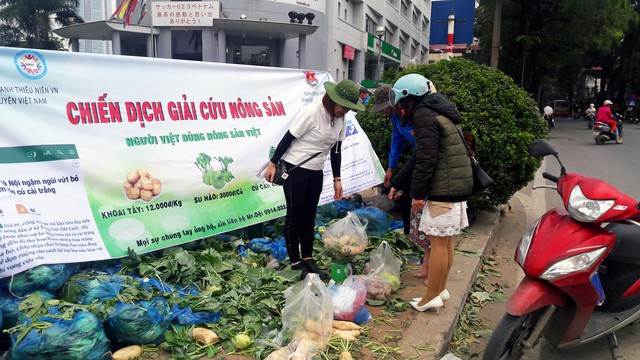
<point>410,85</point>
<point>608,102</point>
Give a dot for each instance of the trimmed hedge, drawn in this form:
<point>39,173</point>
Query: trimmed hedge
<point>502,116</point>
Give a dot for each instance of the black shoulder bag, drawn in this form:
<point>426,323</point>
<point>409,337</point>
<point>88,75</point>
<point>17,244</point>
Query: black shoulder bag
<point>282,173</point>
<point>481,180</point>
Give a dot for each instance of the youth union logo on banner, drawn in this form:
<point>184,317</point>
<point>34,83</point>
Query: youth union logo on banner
<point>30,64</point>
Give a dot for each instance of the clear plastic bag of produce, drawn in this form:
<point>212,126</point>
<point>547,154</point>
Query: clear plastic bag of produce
<point>377,288</point>
<point>384,264</point>
<point>346,237</point>
<point>81,338</point>
<point>348,298</point>
<point>44,277</point>
<point>308,311</point>
<point>137,324</point>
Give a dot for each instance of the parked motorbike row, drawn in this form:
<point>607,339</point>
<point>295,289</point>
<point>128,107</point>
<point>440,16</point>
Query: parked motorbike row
<point>582,268</point>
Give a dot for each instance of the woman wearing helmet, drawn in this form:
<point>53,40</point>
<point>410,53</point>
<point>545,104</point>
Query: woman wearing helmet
<point>605,115</point>
<point>440,175</point>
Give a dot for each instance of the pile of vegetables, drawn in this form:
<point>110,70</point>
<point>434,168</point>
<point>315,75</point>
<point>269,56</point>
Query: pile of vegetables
<point>209,277</point>
<point>215,178</point>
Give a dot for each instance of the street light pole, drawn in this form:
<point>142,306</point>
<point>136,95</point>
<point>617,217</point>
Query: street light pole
<point>380,34</point>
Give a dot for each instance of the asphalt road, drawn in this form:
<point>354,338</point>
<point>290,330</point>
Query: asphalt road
<point>579,153</point>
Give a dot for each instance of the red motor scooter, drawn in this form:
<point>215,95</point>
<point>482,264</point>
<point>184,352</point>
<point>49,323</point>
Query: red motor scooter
<point>582,278</point>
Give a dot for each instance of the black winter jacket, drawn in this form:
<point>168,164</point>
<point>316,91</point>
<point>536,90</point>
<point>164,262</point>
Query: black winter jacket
<point>440,168</point>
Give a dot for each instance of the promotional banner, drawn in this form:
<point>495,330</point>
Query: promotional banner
<point>102,153</point>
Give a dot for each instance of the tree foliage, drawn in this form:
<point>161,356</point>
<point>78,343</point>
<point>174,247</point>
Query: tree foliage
<point>30,23</point>
<point>502,116</point>
<point>545,45</point>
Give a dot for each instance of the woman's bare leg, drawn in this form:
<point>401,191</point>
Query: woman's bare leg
<point>438,265</point>
<point>443,285</point>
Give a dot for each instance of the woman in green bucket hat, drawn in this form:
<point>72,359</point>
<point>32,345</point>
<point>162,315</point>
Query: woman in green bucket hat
<point>317,130</point>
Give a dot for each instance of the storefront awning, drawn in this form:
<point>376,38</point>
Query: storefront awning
<point>102,30</point>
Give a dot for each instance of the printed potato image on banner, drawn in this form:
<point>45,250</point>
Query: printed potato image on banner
<point>141,185</point>
<point>101,163</point>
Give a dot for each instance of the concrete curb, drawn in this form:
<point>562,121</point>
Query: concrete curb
<point>436,331</point>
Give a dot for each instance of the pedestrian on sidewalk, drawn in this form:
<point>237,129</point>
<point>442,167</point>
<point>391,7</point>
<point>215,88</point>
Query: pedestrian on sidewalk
<point>401,135</point>
<point>317,128</point>
<point>440,175</point>
<point>548,115</point>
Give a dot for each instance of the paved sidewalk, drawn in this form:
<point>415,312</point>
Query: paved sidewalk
<point>429,329</point>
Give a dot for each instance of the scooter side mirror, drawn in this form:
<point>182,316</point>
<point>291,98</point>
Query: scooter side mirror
<point>541,147</point>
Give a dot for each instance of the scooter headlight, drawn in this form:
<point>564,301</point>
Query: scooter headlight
<point>525,243</point>
<point>575,263</point>
<point>584,209</point>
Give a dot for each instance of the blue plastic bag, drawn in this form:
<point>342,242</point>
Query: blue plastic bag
<point>10,308</point>
<point>377,220</point>
<point>44,277</point>
<point>186,316</point>
<point>142,323</point>
<point>279,249</point>
<point>260,245</point>
<point>396,225</point>
<point>81,338</point>
<point>96,289</point>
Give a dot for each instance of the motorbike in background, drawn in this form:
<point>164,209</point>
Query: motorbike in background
<point>582,277</point>
<point>590,120</point>
<point>602,131</point>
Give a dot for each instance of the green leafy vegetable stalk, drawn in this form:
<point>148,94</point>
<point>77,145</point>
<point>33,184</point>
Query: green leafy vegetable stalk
<point>215,178</point>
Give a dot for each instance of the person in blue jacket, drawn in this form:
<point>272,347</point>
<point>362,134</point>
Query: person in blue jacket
<point>400,135</point>
<point>365,95</point>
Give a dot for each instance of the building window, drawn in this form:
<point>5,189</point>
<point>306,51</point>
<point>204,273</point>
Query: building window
<point>370,25</point>
<point>339,8</point>
<point>345,15</point>
<point>403,44</point>
<point>185,45</point>
<point>404,8</point>
<point>251,55</point>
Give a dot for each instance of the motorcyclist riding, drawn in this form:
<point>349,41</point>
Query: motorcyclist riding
<point>590,114</point>
<point>604,115</point>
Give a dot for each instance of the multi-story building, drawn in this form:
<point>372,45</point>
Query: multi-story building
<point>352,39</point>
<point>95,10</point>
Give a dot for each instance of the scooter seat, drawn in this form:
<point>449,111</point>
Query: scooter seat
<point>627,248</point>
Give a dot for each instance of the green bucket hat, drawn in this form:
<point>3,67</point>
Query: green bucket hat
<point>345,93</point>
